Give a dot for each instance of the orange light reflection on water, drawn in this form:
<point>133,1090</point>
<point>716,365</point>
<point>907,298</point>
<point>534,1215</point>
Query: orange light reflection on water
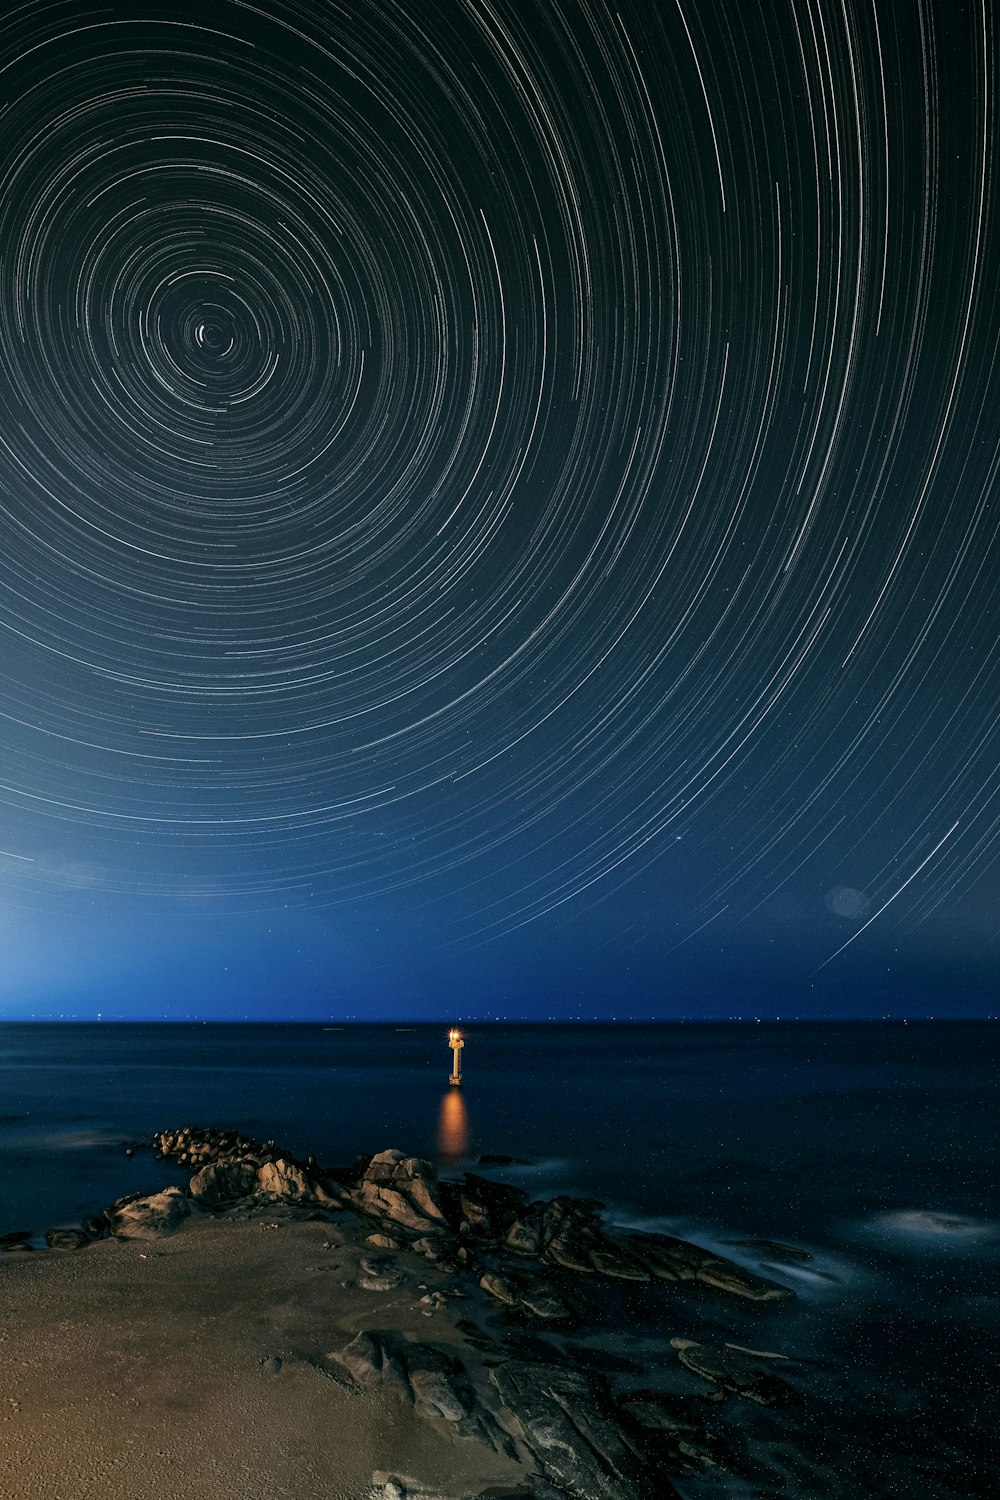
<point>453,1125</point>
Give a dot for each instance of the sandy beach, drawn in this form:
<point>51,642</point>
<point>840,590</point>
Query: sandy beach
<point>273,1328</point>
<point>194,1367</point>
<point>269,1327</point>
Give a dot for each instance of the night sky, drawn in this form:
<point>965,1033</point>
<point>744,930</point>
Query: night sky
<point>500,508</point>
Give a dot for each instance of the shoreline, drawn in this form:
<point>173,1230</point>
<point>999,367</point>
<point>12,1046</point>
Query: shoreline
<point>394,1334</point>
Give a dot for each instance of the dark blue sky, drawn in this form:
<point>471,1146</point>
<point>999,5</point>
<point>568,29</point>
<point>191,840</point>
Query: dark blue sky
<point>499,509</point>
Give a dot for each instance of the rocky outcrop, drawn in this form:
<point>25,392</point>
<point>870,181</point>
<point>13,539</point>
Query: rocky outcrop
<point>736,1370</point>
<point>432,1381</point>
<point>546,1263</point>
<point>232,1167</point>
<point>403,1194</point>
<point>138,1218</point>
<point>533,1295</point>
<point>676,1427</point>
<point>372,1361</point>
<point>724,1276</point>
<point>569,1425</point>
<point>482,1206</point>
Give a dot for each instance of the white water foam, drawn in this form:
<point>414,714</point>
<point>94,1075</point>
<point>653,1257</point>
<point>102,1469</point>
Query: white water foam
<point>932,1229</point>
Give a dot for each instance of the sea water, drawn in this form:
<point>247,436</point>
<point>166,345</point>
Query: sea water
<point>871,1150</point>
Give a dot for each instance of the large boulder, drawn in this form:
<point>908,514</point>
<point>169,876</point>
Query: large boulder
<point>148,1218</point>
<point>401,1190</point>
<point>293,1184</point>
<point>220,1182</point>
<point>283,1179</point>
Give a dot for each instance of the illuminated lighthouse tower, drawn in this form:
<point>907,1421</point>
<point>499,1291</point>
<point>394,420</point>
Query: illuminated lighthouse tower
<point>456,1044</point>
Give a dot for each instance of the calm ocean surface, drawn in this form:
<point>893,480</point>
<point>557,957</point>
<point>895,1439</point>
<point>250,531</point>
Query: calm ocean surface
<point>873,1147</point>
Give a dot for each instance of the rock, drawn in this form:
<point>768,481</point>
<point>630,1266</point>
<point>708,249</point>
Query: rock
<point>14,1237</point>
<point>667,1259</point>
<point>138,1218</point>
<point>733,1370</point>
<point>399,1487</point>
<point>199,1146</point>
<point>569,1425</point>
<point>777,1250</point>
<point>670,1259</point>
<point>224,1182</point>
<point>490,1207</point>
<point>283,1179</point>
<point>443,1393</point>
<point>429,1248</point>
<point>382,1241</point>
<point>16,1247</point>
<point>727,1277</point>
<point>572,1232</point>
<point>542,1301</point>
<point>381,1167</point>
<point>371,1362</point>
<point>573,1249</point>
<point>612,1261</point>
<point>420,1193</point>
<point>531,1294</point>
<point>524,1237</point>
<point>539,1491</point>
<point>403,1190</point>
<point>685,1437</point>
<point>436,1384</point>
<point>382,1202</point>
<point>499,1287</point>
<point>329,1195</point>
<point>476,1215</point>
<point>379,1274</point>
<point>66,1239</point>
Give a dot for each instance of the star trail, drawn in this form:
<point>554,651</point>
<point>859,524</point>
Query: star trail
<point>499,500</point>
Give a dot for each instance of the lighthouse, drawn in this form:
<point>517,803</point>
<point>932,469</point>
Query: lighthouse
<point>456,1044</point>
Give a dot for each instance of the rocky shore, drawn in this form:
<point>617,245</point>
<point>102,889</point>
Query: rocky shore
<point>486,1328</point>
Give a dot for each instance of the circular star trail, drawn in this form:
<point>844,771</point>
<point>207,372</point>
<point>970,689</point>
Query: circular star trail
<point>517,465</point>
